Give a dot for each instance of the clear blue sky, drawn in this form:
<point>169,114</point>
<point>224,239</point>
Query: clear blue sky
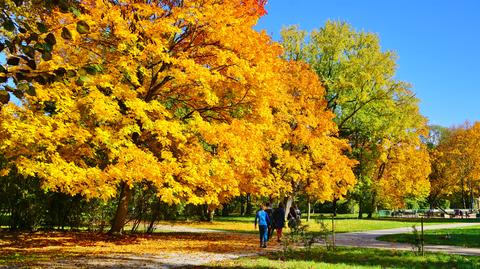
<point>438,44</point>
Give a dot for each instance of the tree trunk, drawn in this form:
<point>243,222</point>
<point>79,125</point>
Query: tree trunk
<point>308,214</point>
<point>211,213</point>
<point>242,205</point>
<point>122,210</point>
<point>360,209</point>
<point>288,204</point>
<point>155,216</point>
<point>463,194</point>
<point>471,196</point>
<point>334,207</point>
<point>249,209</point>
<point>204,213</point>
<point>372,205</point>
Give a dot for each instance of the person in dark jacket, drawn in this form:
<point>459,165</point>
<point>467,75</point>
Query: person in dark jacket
<point>271,227</point>
<point>292,218</point>
<point>278,220</point>
<point>263,222</point>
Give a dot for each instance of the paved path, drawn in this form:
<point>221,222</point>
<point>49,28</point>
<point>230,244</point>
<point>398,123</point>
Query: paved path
<point>368,239</point>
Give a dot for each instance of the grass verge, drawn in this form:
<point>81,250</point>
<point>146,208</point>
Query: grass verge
<point>351,258</point>
<point>464,237</point>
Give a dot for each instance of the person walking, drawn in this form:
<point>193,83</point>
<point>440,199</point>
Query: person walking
<point>271,225</point>
<point>278,221</point>
<point>292,218</point>
<point>263,222</point>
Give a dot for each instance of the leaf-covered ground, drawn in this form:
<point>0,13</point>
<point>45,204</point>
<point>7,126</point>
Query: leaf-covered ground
<point>47,247</point>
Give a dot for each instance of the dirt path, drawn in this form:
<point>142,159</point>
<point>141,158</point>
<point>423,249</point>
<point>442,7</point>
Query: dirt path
<point>368,239</point>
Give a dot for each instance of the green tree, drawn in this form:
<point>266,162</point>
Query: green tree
<point>370,105</point>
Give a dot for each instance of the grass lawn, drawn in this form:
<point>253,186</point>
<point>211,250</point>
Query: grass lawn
<point>342,224</point>
<point>465,237</point>
<point>352,258</point>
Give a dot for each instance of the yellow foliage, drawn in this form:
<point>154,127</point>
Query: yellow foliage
<point>187,97</point>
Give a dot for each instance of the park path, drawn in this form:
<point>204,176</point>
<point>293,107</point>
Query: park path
<point>368,239</point>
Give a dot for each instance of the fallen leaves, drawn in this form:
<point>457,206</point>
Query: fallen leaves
<point>44,246</point>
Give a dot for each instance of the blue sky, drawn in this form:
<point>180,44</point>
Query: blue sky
<point>437,43</point>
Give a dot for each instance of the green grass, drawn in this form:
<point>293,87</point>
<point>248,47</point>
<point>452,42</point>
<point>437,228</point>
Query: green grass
<point>343,223</point>
<point>465,237</point>
<point>352,258</point>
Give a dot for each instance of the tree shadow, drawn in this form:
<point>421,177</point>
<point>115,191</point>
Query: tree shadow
<point>383,258</point>
<point>20,240</point>
<point>464,237</point>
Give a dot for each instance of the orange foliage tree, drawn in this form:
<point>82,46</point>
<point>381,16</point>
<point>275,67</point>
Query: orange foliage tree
<point>456,165</point>
<point>115,93</point>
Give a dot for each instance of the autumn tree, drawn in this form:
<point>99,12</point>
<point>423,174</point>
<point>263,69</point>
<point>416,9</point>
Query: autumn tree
<point>456,165</point>
<point>110,94</point>
<point>114,93</point>
<point>307,157</point>
<point>371,107</point>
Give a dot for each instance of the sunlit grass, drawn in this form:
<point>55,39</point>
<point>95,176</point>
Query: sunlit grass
<point>352,258</point>
<point>464,236</point>
<point>342,224</point>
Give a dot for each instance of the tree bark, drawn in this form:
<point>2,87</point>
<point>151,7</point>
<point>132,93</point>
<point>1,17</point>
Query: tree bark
<point>372,205</point>
<point>118,221</point>
<point>463,193</point>
<point>211,214</point>
<point>288,204</point>
<point>334,207</point>
<point>471,196</point>
<point>155,216</point>
<point>308,214</point>
<point>360,209</point>
<point>249,209</point>
<point>242,205</point>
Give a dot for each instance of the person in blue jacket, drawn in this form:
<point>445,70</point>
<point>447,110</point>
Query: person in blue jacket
<point>263,222</point>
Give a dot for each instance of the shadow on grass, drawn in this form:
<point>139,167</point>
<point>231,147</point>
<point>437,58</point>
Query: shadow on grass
<point>48,239</point>
<point>385,258</point>
<point>464,237</point>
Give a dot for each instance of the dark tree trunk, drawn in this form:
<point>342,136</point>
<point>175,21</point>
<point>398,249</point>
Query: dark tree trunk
<point>372,206</point>
<point>360,208</point>
<point>249,209</point>
<point>463,194</point>
<point>309,211</point>
<point>471,206</point>
<point>334,207</point>
<point>155,216</point>
<point>122,210</point>
<point>242,205</point>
